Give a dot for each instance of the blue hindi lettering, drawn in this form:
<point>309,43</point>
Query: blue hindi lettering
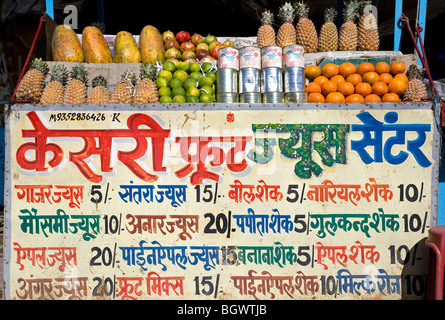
<point>249,309</point>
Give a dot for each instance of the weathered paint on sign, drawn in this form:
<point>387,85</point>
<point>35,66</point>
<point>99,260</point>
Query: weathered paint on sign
<point>223,202</point>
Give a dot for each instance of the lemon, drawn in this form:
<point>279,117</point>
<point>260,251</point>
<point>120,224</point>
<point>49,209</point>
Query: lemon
<point>182,66</point>
<point>162,82</point>
<point>165,99</point>
<point>169,66</point>
<point>190,83</point>
<point>212,75</point>
<point>179,99</point>
<point>194,66</point>
<point>176,83</point>
<point>181,75</point>
<point>179,91</point>
<point>192,91</point>
<point>192,99</point>
<point>166,74</point>
<point>205,81</point>
<point>207,89</point>
<point>164,91</point>
<point>195,75</point>
<point>206,67</point>
<point>206,98</point>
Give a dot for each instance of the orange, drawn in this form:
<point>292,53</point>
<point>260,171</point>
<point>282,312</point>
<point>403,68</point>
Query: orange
<point>363,88</point>
<point>372,98</point>
<point>397,85</point>
<point>346,88</point>
<point>365,67</point>
<point>320,80</point>
<point>346,68</point>
<point>354,78</point>
<point>371,77</point>
<point>338,79</point>
<point>379,88</point>
<point>397,67</point>
<point>402,76</point>
<point>390,97</point>
<point>335,97</point>
<point>385,77</point>
<point>329,70</point>
<point>313,87</point>
<point>312,71</point>
<point>354,98</point>
<point>382,67</point>
<point>315,97</point>
<point>328,87</point>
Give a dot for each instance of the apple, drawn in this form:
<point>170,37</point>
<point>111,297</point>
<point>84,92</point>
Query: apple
<point>197,38</point>
<point>214,52</point>
<point>201,54</point>
<point>228,43</point>
<point>168,35</point>
<point>187,55</point>
<point>187,46</point>
<point>183,36</point>
<point>173,53</point>
<point>203,46</point>
<point>171,44</point>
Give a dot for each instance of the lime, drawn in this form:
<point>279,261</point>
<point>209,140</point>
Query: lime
<point>179,99</point>
<point>169,66</point>
<point>205,81</point>
<point>162,82</point>
<point>166,74</point>
<point>165,91</point>
<point>178,92</point>
<point>206,67</point>
<point>195,75</point>
<point>212,75</point>
<point>165,99</point>
<point>209,39</point>
<point>192,99</point>
<point>181,75</point>
<point>176,83</point>
<point>182,66</point>
<point>205,98</point>
<point>194,66</point>
<point>192,91</point>
<point>207,89</point>
<point>190,83</point>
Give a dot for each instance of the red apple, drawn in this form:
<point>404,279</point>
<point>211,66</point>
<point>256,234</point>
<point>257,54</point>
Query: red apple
<point>183,36</point>
<point>215,49</point>
<point>201,54</point>
<point>187,46</point>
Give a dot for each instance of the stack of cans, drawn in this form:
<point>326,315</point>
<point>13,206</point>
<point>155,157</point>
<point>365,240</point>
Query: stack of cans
<point>293,66</point>
<point>250,75</point>
<point>227,75</point>
<point>272,74</point>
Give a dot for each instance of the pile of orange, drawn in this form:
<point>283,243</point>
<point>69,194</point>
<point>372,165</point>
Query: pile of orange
<point>347,83</point>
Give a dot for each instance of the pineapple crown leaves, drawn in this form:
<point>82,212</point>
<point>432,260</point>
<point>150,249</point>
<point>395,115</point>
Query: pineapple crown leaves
<point>301,9</point>
<point>78,72</point>
<point>59,73</point>
<point>99,81</point>
<point>286,13</point>
<point>40,65</point>
<point>351,10</point>
<point>148,70</point>
<point>267,17</point>
<point>130,76</point>
<point>330,14</point>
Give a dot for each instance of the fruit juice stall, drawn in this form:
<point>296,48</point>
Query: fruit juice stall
<point>253,168</point>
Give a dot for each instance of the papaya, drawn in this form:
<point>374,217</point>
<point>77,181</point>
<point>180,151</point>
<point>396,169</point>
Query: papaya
<point>66,46</point>
<point>95,47</point>
<point>151,45</point>
<point>125,48</point>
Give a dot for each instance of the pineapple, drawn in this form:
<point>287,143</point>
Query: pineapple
<point>76,88</point>
<point>54,90</point>
<point>266,33</point>
<point>328,39</point>
<point>100,92</point>
<point>368,33</point>
<point>305,30</point>
<point>124,91</point>
<point>415,88</point>
<point>33,82</point>
<point>347,40</point>
<point>286,34</point>
<point>146,90</point>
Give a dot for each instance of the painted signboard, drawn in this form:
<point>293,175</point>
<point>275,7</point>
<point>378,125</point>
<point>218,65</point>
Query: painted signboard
<point>220,201</point>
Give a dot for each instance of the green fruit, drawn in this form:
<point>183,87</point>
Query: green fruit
<point>176,83</point>
<point>209,39</point>
<point>181,75</point>
<point>166,74</point>
<point>190,83</point>
<point>207,89</point>
<point>206,98</point>
<point>206,67</point>
<point>178,92</point>
<point>164,92</point>
<point>169,66</point>
<point>162,82</point>
<point>195,75</point>
<point>182,66</point>
<point>192,91</point>
<point>194,66</point>
<point>165,99</point>
<point>193,99</point>
<point>179,99</point>
<point>205,81</point>
<point>212,75</point>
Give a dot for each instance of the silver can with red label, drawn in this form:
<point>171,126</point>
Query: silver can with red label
<point>228,58</point>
